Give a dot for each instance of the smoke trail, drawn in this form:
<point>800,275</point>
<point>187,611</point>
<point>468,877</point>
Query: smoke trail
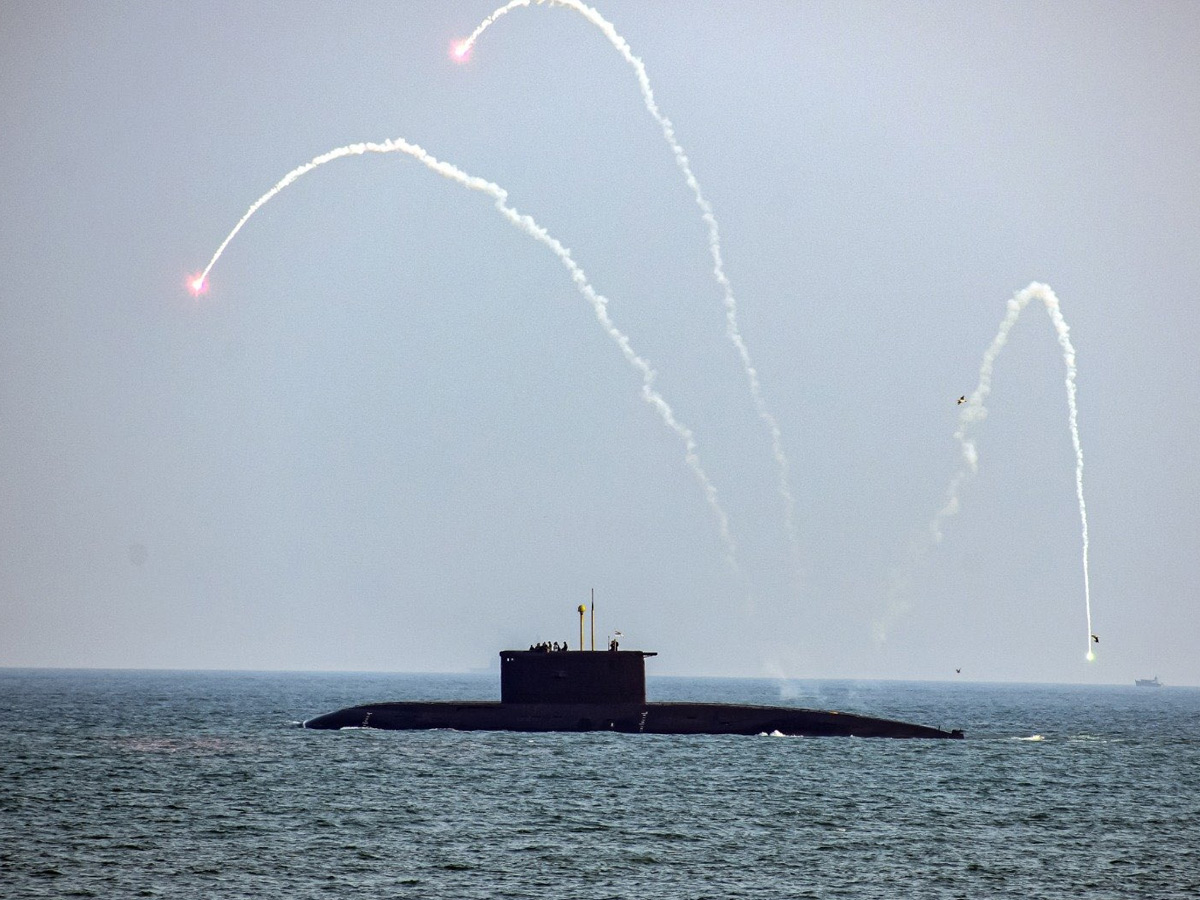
<point>732,331</point>
<point>974,411</point>
<point>530,227</point>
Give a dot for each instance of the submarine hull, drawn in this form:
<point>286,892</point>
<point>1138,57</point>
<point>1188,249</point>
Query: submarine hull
<point>627,718</point>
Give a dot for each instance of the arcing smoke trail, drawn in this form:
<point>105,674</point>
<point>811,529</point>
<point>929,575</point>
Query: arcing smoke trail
<point>732,330</point>
<point>974,411</point>
<point>537,232</point>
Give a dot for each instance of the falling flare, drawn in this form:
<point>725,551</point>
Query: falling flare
<point>973,411</point>
<point>530,227</point>
<point>732,331</point>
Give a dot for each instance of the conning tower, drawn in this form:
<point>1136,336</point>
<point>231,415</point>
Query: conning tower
<point>573,676</point>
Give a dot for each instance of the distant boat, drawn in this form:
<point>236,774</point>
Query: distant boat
<point>1148,682</point>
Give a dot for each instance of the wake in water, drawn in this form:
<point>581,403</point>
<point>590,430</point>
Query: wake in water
<point>973,412</point>
<point>530,227</point>
<point>463,49</point>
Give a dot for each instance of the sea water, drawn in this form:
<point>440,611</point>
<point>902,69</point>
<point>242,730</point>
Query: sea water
<point>201,784</point>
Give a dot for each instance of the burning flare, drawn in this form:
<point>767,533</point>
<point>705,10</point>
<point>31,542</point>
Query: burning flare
<point>732,330</point>
<point>973,411</point>
<point>530,227</point>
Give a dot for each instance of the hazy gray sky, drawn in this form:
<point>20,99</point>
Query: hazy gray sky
<point>394,436</point>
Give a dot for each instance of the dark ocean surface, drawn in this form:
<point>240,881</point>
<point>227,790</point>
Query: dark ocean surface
<point>200,784</point>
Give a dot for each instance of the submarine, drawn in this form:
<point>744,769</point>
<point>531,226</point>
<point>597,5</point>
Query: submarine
<point>553,688</point>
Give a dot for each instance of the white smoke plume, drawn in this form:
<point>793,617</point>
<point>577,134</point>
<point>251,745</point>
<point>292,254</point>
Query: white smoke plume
<point>530,227</point>
<point>732,331</point>
<point>973,412</point>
